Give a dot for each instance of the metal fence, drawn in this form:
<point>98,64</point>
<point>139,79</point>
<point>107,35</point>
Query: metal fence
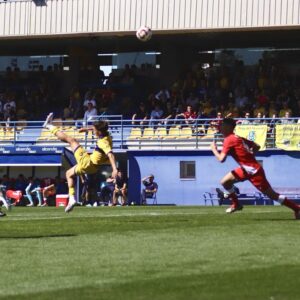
<point>135,135</point>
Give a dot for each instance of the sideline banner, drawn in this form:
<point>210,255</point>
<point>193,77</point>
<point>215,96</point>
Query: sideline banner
<point>288,137</point>
<point>254,133</point>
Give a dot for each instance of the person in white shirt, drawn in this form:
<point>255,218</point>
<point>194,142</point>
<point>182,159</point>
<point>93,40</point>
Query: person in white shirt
<point>163,95</point>
<point>90,112</point>
<point>156,114</point>
<point>92,101</point>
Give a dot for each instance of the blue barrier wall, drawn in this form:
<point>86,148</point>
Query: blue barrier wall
<point>282,169</point>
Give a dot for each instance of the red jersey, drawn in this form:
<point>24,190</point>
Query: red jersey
<point>239,148</point>
<point>190,115</point>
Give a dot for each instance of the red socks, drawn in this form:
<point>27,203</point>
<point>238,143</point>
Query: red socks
<point>234,199</point>
<point>290,204</point>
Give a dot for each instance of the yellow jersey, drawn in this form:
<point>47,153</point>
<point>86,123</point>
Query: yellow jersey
<point>103,147</point>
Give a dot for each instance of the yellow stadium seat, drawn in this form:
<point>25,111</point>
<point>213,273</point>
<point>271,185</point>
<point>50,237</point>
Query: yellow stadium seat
<point>46,135</point>
<point>161,132</point>
<point>9,134</point>
<point>174,133</point>
<point>135,134</point>
<point>211,132</point>
<point>186,133</point>
<point>148,133</point>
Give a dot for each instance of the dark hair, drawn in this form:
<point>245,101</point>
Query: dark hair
<point>101,126</point>
<point>230,122</point>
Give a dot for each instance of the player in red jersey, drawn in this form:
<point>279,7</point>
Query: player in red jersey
<point>243,151</point>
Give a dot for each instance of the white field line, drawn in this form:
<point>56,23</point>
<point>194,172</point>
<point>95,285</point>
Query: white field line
<point>31,217</point>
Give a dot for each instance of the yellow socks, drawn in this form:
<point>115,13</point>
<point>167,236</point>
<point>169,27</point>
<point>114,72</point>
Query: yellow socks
<point>53,129</point>
<point>71,191</point>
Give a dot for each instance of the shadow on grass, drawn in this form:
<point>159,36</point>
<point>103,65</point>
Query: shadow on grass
<point>39,236</point>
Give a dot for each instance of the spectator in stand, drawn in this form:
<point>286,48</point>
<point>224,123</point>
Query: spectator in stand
<point>246,120</point>
<point>170,114</point>
<point>6,182</point>
<point>286,119</point>
<point>262,98</point>
<point>163,95</point>
<point>61,186</point>
<point>192,101</point>
<point>156,114</point>
<point>75,104</point>
<point>33,187</point>
<point>189,84</point>
<point>107,189</point>
<point>150,188</point>
<point>9,102</point>
<point>284,110</point>
<point>259,118</point>
<point>241,100</point>
<point>141,115</point>
<point>189,116</point>
<point>20,183</point>
<point>208,109</point>
<point>89,98</point>
<point>120,189</point>
<point>216,123</point>
<point>259,110</point>
<point>90,112</point>
<point>272,109</point>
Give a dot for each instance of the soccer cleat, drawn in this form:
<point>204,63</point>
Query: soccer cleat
<point>2,214</point>
<point>297,214</point>
<point>48,120</point>
<point>30,205</point>
<point>71,205</point>
<point>234,208</point>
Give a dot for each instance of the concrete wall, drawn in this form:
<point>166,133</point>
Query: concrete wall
<point>24,18</point>
<point>281,169</point>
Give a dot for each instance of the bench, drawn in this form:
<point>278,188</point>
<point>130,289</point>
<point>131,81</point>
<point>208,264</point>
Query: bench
<point>247,197</point>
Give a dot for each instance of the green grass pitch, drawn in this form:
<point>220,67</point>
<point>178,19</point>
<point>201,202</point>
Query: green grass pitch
<point>156,253</point>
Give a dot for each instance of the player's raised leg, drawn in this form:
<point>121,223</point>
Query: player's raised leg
<point>228,183</point>
<point>59,133</point>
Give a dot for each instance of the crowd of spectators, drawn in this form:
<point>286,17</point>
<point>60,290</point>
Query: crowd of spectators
<point>266,90</point>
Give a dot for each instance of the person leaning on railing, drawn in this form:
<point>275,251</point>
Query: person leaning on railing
<point>189,116</point>
<point>286,119</point>
<point>141,115</point>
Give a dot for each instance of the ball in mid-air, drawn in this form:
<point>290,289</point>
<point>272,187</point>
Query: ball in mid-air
<point>144,33</point>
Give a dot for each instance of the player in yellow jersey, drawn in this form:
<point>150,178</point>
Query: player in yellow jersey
<point>86,163</point>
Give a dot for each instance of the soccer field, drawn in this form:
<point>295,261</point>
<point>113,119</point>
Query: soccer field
<point>150,253</point>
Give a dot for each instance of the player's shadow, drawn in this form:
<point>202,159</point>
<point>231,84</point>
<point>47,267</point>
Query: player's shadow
<point>39,236</point>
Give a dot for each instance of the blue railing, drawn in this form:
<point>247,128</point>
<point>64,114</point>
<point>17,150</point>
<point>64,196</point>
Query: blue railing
<point>137,134</point>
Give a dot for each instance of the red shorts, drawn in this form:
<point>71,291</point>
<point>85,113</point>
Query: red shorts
<point>258,179</point>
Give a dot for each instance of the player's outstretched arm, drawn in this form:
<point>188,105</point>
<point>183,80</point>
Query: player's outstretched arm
<point>112,161</point>
<point>85,129</point>
<point>221,157</point>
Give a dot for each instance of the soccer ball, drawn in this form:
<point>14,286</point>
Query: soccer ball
<point>144,34</point>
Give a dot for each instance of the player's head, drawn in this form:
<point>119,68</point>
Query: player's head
<point>227,126</point>
<point>100,128</point>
